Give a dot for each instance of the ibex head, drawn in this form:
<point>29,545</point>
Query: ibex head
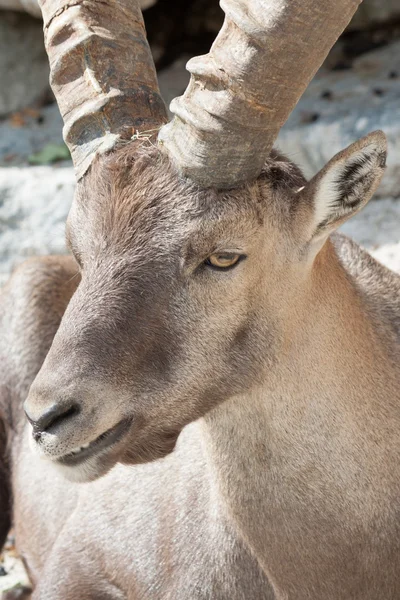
<point>194,253</point>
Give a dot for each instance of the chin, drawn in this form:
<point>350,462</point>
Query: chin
<point>91,463</point>
<point>150,448</point>
<point>89,470</point>
<point>94,459</point>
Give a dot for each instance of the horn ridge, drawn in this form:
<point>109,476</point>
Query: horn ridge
<point>102,74</point>
<point>242,92</point>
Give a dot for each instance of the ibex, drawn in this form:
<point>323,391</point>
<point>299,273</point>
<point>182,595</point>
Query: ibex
<point>213,323</point>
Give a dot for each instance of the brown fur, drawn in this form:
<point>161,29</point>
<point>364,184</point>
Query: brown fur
<point>277,382</point>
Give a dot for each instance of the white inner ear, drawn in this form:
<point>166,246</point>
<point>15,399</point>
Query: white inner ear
<point>328,200</point>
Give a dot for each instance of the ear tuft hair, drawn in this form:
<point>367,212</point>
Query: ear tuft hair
<point>348,181</point>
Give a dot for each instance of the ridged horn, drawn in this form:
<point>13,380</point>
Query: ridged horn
<point>242,92</point>
<point>102,74</point>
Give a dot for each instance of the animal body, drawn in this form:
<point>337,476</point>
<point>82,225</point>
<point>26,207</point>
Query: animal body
<point>211,381</point>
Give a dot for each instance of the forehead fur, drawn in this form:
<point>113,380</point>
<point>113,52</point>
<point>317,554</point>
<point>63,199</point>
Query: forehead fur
<point>136,190</point>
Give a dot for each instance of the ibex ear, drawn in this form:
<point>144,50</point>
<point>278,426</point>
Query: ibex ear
<point>346,183</point>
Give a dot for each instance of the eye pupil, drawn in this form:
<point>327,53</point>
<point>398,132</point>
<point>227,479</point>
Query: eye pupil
<point>223,260</point>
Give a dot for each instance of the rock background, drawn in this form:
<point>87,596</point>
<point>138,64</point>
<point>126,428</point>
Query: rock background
<point>34,203</point>
<point>340,106</point>
<point>24,72</point>
<point>372,12</point>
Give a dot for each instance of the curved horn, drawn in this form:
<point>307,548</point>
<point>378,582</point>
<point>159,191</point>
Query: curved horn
<point>102,74</point>
<point>243,91</point>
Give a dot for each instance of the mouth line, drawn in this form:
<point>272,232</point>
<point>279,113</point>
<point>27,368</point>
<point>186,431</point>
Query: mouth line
<point>104,441</point>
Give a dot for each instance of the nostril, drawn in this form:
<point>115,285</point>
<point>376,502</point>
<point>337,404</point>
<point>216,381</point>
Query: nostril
<point>53,416</point>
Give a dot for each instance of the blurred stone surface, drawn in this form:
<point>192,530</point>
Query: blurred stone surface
<point>16,582</point>
<point>373,12</point>
<point>34,204</point>
<point>339,107</point>
<point>377,228</point>
<point>13,577</point>
<point>17,143</point>
<point>24,71</point>
<point>174,80</point>
<point>32,6</point>
<point>29,6</point>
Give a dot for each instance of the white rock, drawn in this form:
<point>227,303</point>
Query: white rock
<point>377,228</point>
<point>34,204</point>
<point>359,101</point>
<point>24,70</point>
<point>16,573</point>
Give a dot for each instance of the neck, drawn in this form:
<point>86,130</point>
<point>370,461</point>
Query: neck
<point>294,458</point>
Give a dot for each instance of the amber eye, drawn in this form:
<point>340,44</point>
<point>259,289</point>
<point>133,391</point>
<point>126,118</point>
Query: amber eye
<point>223,260</point>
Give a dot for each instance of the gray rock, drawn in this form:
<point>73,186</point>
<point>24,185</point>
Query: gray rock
<point>377,228</point>
<point>372,12</point>
<point>16,574</point>
<point>29,6</point>
<point>18,143</point>
<point>174,80</point>
<point>32,7</point>
<point>24,71</point>
<point>34,204</point>
<point>341,106</point>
